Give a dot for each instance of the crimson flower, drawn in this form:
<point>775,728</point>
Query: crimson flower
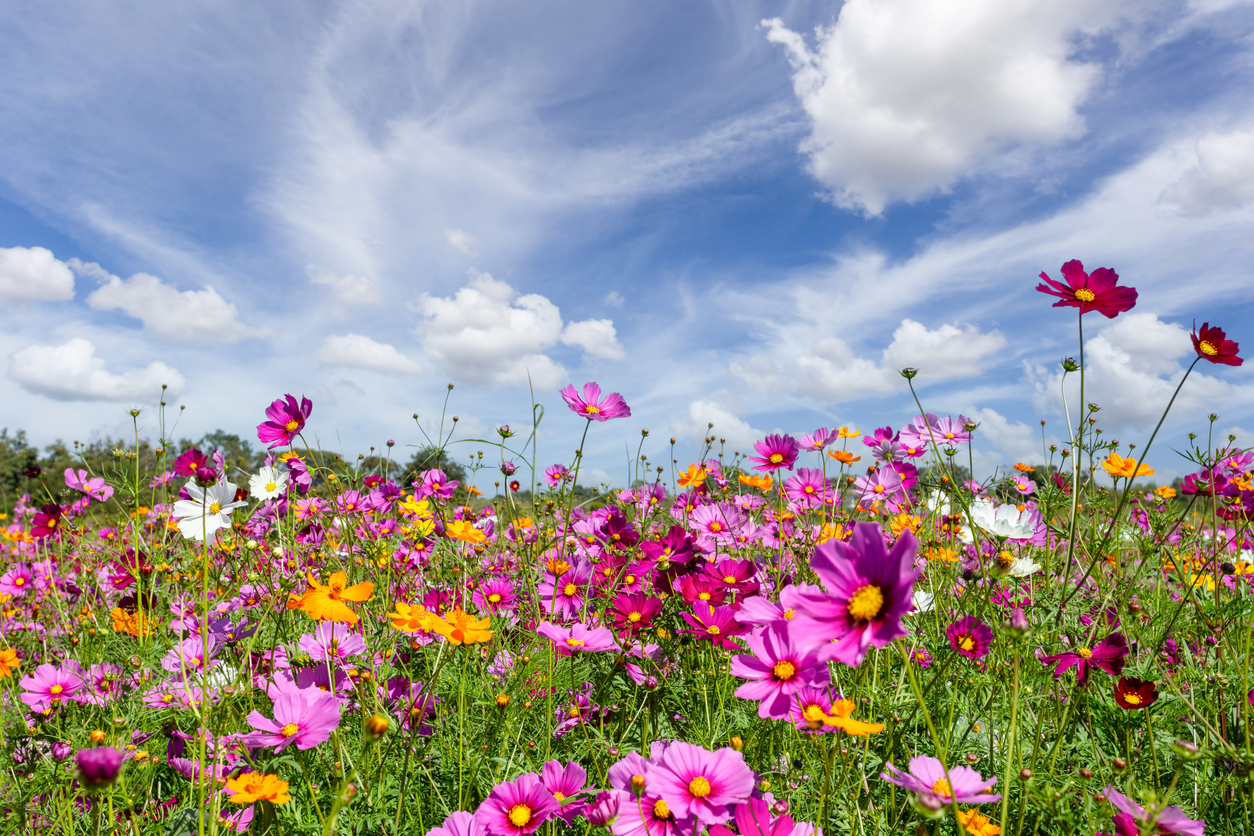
<point>633,612</point>
<point>1134,693</point>
<point>287,419</point>
<point>46,521</point>
<point>1212,344</point>
<point>1097,291</point>
<point>970,637</point>
<point>1107,655</point>
<point>716,625</point>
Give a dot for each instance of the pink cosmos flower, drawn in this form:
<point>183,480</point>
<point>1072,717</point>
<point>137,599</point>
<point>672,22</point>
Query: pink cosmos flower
<point>94,488</point>
<point>459,823</point>
<point>287,419</point>
<point>556,474</point>
<point>753,818</point>
<point>305,717</point>
<point>697,783</point>
<point>1024,485</point>
<point>590,405</point>
<point>1108,655</point>
<point>517,808</point>
<point>717,626</point>
<point>868,590</point>
<point>808,489</point>
<point>332,640</point>
<point>927,778</point>
<point>1099,291</point>
<point>565,783</point>
<point>808,707</point>
<point>16,581</point>
<point>946,432</point>
<point>777,669</point>
<point>46,521</point>
<point>970,637</point>
<point>816,441</point>
<point>189,655</point>
<point>633,612</point>
<point>1169,819</point>
<point>776,452</point>
<point>577,638</point>
<point>495,594</point>
<point>48,687</point>
<point>1213,345</point>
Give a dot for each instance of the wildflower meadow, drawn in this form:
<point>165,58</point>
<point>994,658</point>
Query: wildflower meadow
<point>840,631</point>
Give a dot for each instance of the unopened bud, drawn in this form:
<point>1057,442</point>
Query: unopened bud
<point>377,725</point>
<point>502,700</point>
<point>1119,764</point>
<point>1070,365</point>
<point>1186,749</point>
<point>909,373</point>
<point>737,743</point>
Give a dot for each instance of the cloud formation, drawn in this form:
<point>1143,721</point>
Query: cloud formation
<point>72,372</point>
<point>350,289</point>
<point>33,274</point>
<point>355,351</point>
<point>1223,177</point>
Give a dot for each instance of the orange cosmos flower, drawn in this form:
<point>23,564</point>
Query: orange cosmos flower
<point>845,432</point>
<point>839,718</point>
<point>1118,466</point>
<point>977,824</point>
<point>465,531</point>
<point>8,662</point>
<point>255,786</point>
<point>326,603</point>
<point>694,477</point>
<point>412,618</point>
<point>1023,468</point>
<point>843,456</point>
<point>132,623</point>
<point>762,483</point>
<point>461,628</point>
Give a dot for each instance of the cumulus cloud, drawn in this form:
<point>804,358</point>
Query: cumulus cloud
<point>1015,440</point>
<point>907,96</point>
<point>33,274</point>
<point>831,371</point>
<point>462,241</point>
<point>194,316</point>
<point>1133,369</point>
<point>760,372</point>
<point>701,413</point>
<point>487,333</point>
<point>596,337</point>
<point>355,351</point>
<point>353,290</point>
<point>1223,177</point>
<point>72,372</point>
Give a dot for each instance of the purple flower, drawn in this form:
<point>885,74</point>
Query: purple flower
<point>577,638</point>
<point>697,783</point>
<point>1107,655</point>
<point>927,778</point>
<point>590,405</point>
<point>868,590</point>
<point>190,654</point>
<point>333,641</point>
<point>715,625</point>
<point>98,768</point>
<point>556,474</point>
<point>565,783</point>
<point>305,717</point>
<point>94,488</point>
<point>61,751</point>
<point>970,637</point>
<point>776,670</point>
<point>776,452</point>
<point>925,429</point>
<point>287,419</point>
<point>516,808</point>
<point>1167,819</point>
<point>753,818</point>
<point>1097,291</point>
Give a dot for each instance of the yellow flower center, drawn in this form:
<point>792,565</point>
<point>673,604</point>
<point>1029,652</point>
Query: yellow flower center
<point>776,458</point>
<point>660,810</point>
<point>592,410</point>
<point>712,630</point>
<point>574,642</point>
<point>942,789</point>
<point>270,486</point>
<point>967,643</point>
<point>704,596</point>
<point>289,730</point>
<point>1085,653</point>
<point>292,426</point>
<point>19,582</point>
<point>785,671</point>
<point>1208,349</point>
<point>559,796</point>
<point>729,578</point>
<point>633,617</point>
<point>866,603</point>
<point>699,786</point>
<point>215,507</point>
<point>1085,295</point>
<point>813,713</point>
<point>495,598</point>
<point>570,589</point>
<point>716,526</point>
<point>55,689</point>
<point>1132,699</point>
<point>519,815</point>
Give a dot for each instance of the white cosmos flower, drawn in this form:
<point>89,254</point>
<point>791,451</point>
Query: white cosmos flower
<point>1002,520</point>
<point>1022,567</point>
<point>923,601</point>
<point>207,512</point>
<point>268,483</point>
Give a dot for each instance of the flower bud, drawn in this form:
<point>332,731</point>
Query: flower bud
<point>928,806</point>
<point>504,431</point>
<point>637,784</point>
<point>1018,622</point>
<point>377,726</point>
<point>508,468</point>
<point>1186,749</point>
<point>909,373</point>
<point>502,700</point>
<point>1119,764</point>
<point>98,736</point>
<point>1070,365</point>
<point>737,743</point>
<point>61,751</point>
<point>98,768</point>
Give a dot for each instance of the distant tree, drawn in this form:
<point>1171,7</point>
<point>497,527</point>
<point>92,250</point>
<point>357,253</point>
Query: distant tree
<point>16,455</point>
<point>240,455</point>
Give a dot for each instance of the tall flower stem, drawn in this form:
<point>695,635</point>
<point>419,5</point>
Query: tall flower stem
<point>1076,440</point>
<point>1010,746</point>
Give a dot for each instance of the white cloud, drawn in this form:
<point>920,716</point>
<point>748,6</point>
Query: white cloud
<point>462,241</point>
<point>1015,440</point>
<point>760,372</point>
<point>596,337</point>
<point>1133,369</point>
<point>1223,177</point>
<point>907,96</point>
<point>356,351</point>
<point>194,316</point>
<point>33,274</point>
<point>354,290</point>
<point>832,372</point>
<point>614,298</point>
<point>739,434</point>
<point>73,372</point>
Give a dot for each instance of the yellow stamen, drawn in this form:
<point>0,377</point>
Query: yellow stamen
<point>519,815</point>
<point>1085,295</point>
<point>784,670</point>
<point>289,730</point>
<point>1207,348</point>
<point>699,786</point>
<point>866,603</point>
<point>942,788</point>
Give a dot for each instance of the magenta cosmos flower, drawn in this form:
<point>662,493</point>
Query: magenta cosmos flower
<point>1169,819</point>
<point>565,782</point>
<point>776,452</point>
<point>1098,291</point>
<point>459,823</point>
<point>517,808</point>
<point>868,590</point>
<point>970,637</point>
<point>98,768</point>
<point>589,403</point>
<point>697,783</point>
<point>333,641</point>
<point>305,717</point>
<point>1107,655</point>
<point>577,638</point>
<point>753,818</point>
<point>927,778</point>
<point>286,421</point>
<point>48,687</point>
<point>1213,344</point>
<point>777,669</point>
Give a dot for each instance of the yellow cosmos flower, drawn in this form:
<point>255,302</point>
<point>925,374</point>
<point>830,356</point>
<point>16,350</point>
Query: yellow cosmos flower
<point>1126,468</point>
<point>255,786</point>
<point>840,718</point>
<point>694,477</point>
<point>465,531</point>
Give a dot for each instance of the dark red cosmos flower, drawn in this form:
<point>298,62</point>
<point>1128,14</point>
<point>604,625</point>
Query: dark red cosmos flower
<point>1134,693</point>
<point>1107,655</point>
<point>1097,291</point>
<point>46,521</point>
<point>1212,344</point>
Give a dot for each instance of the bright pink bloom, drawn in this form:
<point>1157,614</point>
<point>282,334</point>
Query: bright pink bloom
<point>970,637</point>
<point>817,440</point>
<point>1169,820</point>
<point>753,818</point>
<point>1212,344</point>
<point>776,452</point>
<point>868,590</point>
<point>565,783</point>
<point>287,419</point>
<point>808,489</point>
<point>777,669</point>
<point>459,823</point>
<point>517,808</point>
<point>577,638</point>
<point>46,521</point>
<point>94,488</point>
<point>808,707</point>
<point>1098,291</point>
<point>590,405</point>
<point>927,778</point>
<point>48,687</point>
<point>1108,655</point>
<point>632,612</point>
<point>190,463</point>
<point>717,626</point>
<point>697,783</point>
<point>333,641</point>
<point>946,432</point>
<point>305,717</point>
<point>17,580</point>
<point>556,474</point>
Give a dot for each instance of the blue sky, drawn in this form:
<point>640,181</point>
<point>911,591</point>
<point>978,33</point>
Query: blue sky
<point>744,213</point>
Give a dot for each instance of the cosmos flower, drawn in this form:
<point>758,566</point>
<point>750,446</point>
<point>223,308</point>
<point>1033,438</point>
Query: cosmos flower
<point>1167,820</point>
<point>1098,291</point>
<point>716,625</point>
<point>589,403</point>
<point>753,818</point>
<point>287,419</point>
<point>94,488</point>
<point>460,628</point>
<point>517,808</point>
<point>839,717</point>
<point>1002,520</point>
<point>556,474</point>
<point>459,823</point>
<point>1213,345</point>
<point>927,778</point>
<point>207,510</point>
<point>816,441</point>
<point>46,521</point>
<point>1108,655</point>
<point>565,782</point>
<point>332,641</point>
<point>98,767</point>
<point>304,717</point>
<point>1124,468</point>
<point>775,452</point>
<point>17,580</point>
<point>268,483</point>
<point>9,662</point>
<point>48,687</point>
<point>632,612</point>
<point>697,783</point>
<point>867,590</point>
<point>577,638</point>
<point>776,669</point>
<point>248,787</point>
<point>326,603</point>
<point>970,637</point>
<point>1134,693</point>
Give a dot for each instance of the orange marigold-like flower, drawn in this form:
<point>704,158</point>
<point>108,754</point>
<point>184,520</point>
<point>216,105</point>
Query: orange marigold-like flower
<point>8,662</point>
<point>326,603</point>
<point>844,456</point>
<point>1118,466</point>
<point>255,786</point>
<point>762,483</point>
<point>1165,492</point>
<point>461,628</point>
<point>845,432</point>
<point>1024,468</point>
<point>132,623</point>
<point>465,531</point>
<point>694,477</point>
<point>413,618</point>
<point>977,824</point>
<point>841,719</point>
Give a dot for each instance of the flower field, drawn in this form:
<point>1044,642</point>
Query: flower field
<point>845,631</point>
